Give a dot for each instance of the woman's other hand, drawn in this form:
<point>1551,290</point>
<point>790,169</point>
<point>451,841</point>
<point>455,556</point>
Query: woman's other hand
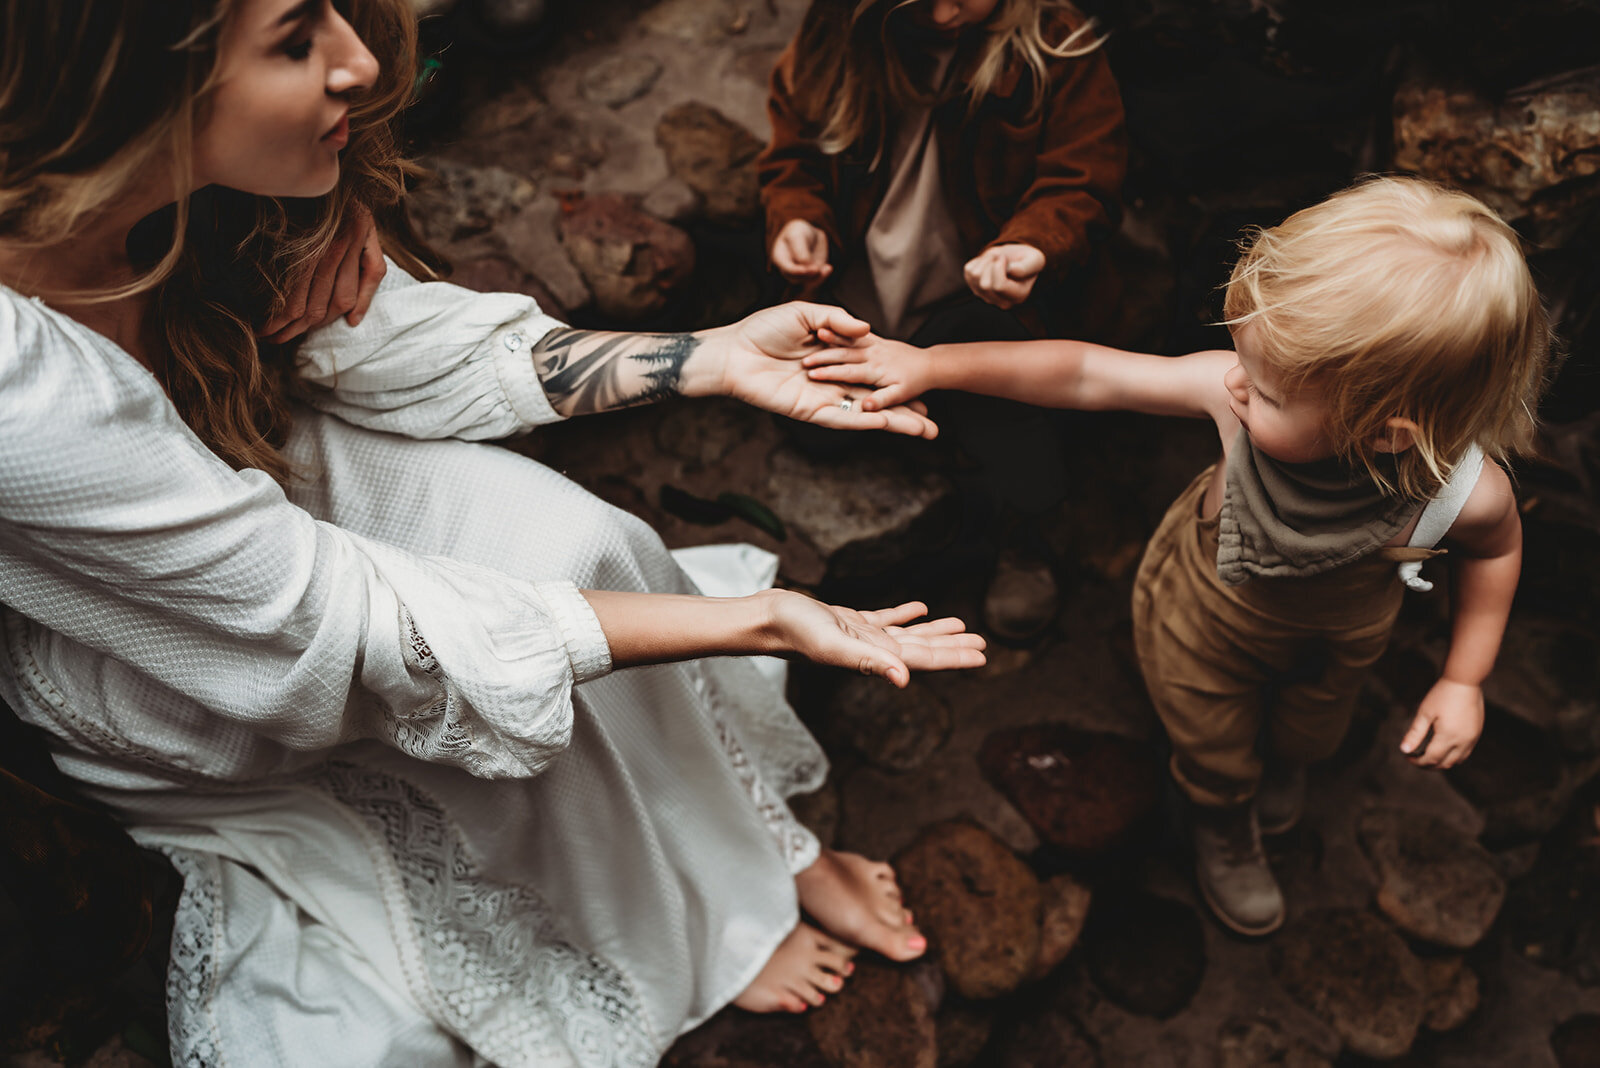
<point>897,372</point>
<point>1004,275</point>
<point>873,643</point>
<point>762,365</point>
<point>800,253</point>
<point>342,282</point>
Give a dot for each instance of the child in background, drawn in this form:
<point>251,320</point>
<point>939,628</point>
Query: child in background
<point>949,170</point>
<point>1387,340</point>
<point>936,150</point>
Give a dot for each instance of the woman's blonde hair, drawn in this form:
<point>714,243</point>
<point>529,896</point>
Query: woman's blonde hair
<point>858,66</point>
<point>98,95</point>
<point>1400,298</point>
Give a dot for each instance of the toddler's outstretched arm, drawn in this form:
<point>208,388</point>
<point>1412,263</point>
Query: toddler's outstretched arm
<point>1486,554</point>
<point>1053,374</point>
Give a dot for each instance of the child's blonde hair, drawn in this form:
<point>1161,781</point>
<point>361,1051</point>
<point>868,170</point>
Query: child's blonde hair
<point>1401,298</point>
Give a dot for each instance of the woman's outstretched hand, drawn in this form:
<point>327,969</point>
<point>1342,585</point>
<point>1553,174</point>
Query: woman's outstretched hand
<point>873,643</point>
<point>761,365</point>
<point>342,282</point>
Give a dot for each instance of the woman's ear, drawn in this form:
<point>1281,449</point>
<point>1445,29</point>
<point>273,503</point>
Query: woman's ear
<point>1398,435</point>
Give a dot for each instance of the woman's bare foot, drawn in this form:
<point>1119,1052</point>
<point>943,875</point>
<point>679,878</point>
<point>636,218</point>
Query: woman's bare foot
<point>858,900</point>
<point>805,968</point>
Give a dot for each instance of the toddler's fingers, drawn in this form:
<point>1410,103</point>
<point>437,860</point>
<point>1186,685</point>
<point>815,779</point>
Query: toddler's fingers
<point>1414,736</point>
<point>846,373</point>
<point>835,353</point>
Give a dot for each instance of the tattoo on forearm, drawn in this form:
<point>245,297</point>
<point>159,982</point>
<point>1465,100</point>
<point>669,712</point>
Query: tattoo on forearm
<point>594,371</point>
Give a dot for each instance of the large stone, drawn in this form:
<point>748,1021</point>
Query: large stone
<point>881,1020</point>
<point>715,157</point>
<point>1050,1040</point>
<point>1065,908</point>
<point>978,904</point>
<point>865,514</point>
<point>1147,953</point>
<point>1516,777</point>
<point>1351,969</point>
<point>1549,915</point>
<point>1434,882</point>
<point>497,274</point>
<point>1083,792</point>
<point>963,1028</point>
<point>619,79</point>
<point>1532,156</point>
<point>705,430</point>
<point>1261,1043</point>
<point>896,730</point>
<point>1452,993</point>
<point>463,200</point>
<point>632,262</point>
<point>697,21</point>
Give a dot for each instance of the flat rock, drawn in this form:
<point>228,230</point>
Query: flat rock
<point>1261,1043</point>
<point>1147,953</point>
<point>1050,1040</point>
<point>865,514</point>
<point>463,200</point>
<point>1516,778</point>
<point>1354,971</point>
<point>1576,1042</point>
<point>697,21</point>
<point>1434,882</point>
<point>498,274</point>
<point>1530,157</point>
<point>896,730</point>
<point>1082,791</point>
<point>619,79</point>
<point>880,1020</point>
<point>707,429</point>
<point>632,262</point>
<point>714,156</point>
<point>1548,916</point>
<point>1065,908</point>
<point>978,904</point>
<point>1452,993</point>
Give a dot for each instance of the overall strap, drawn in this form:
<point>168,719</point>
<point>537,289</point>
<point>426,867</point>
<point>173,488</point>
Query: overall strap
<point>1439,514</point>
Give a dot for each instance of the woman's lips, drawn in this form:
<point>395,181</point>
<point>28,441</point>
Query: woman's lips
<point>340,134</point>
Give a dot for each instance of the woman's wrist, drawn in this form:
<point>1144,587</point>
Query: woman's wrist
<point>705,372</point>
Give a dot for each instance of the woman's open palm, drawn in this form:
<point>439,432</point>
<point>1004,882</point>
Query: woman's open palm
<point>876,643</point>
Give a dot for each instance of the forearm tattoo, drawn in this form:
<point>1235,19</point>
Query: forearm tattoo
<point>594,371</point>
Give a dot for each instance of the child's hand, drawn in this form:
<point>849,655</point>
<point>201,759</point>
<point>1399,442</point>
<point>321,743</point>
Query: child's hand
<point>800,253</point>
<point>897,370</point>
<point>873,643</point>
<point>1004,275</point>
<point>1453,711</point>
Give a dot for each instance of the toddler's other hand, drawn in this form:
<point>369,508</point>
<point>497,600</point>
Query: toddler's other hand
<point>800,253</point>
<point>1004,275</point>
<point>893,367</point>
<point>1453,711</point>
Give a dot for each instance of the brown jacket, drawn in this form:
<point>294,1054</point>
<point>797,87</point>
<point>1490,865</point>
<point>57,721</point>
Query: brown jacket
<point>1051,179</point>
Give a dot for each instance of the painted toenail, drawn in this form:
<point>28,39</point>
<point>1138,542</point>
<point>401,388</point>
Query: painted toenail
<point>917,942</point>
<point>850,968</point>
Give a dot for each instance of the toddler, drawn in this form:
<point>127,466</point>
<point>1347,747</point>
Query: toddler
<point>1387,341</point>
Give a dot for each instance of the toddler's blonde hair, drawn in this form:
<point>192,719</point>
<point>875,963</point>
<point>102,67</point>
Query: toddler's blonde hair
<point>1400,297</point>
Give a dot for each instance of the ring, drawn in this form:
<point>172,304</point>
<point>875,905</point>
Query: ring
<point>848,404</point>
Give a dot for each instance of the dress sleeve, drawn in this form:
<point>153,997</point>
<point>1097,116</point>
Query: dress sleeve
<point>1074,201</point>
<point>432,360</point>
<point>122,532</point>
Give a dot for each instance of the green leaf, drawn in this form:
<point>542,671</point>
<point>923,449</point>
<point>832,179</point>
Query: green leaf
<point>755,513</point>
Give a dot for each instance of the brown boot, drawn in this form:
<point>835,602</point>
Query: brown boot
<point>1232,870</point>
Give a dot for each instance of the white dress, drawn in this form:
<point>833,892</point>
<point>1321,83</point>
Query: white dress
<point>420,821</point>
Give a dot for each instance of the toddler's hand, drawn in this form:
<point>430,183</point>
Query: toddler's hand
<point>893,367</point>
<point>873,643</point>
<point>1453,711</point>
<point>800,253</point>
<point>1004,275</point>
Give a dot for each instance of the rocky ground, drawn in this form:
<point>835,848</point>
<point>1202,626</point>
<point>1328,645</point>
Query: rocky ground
<point>1440,920</point>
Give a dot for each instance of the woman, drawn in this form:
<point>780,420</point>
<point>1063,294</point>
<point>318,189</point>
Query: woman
<point>362,687</point>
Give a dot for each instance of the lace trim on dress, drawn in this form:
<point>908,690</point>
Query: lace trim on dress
<point>507,980</point>
<point>192,1030</point>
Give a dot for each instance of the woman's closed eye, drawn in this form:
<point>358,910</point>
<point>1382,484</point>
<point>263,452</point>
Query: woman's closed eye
<point>298,50</point>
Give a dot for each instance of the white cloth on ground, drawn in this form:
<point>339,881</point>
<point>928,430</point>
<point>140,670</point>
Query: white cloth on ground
<point>372,719</point>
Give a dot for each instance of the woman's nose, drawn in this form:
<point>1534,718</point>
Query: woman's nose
<point>355,67</point>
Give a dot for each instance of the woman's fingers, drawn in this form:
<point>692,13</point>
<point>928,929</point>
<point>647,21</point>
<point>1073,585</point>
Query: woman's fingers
<point>895,616</point>
<point>900,419</point>
<point>946,625</point>
<point>373,268</point>
<point>346,285</point>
